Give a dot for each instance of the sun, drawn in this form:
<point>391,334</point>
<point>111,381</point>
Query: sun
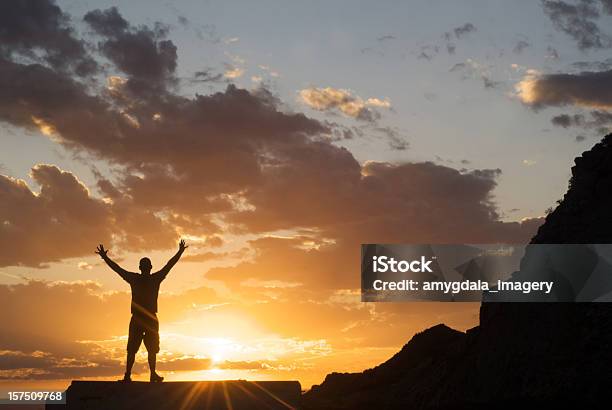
<point>217,357</point>
<point>219,349</point>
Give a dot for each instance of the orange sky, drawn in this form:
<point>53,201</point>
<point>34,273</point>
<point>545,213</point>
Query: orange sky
<point>271,329</point>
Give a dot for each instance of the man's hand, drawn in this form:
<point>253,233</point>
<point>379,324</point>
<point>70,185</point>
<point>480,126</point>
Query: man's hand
<point>101,251</point>
<point>127,276</point>
<point>166,269</point>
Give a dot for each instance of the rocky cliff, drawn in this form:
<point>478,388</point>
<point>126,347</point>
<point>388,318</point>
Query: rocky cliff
<point>521,355</point>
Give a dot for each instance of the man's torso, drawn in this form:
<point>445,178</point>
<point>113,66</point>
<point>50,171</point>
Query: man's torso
<point>145,290</point>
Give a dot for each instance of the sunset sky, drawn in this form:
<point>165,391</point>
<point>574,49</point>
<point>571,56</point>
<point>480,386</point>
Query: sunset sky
<point>275,137</point>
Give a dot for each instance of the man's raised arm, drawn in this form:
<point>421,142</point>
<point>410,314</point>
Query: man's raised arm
<point>164,271</point>
<point>112,264</point>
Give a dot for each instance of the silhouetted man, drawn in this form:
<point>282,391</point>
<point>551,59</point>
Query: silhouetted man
<point>144,324</point>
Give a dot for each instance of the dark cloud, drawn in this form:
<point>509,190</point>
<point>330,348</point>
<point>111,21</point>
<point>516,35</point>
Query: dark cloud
<point>207,76</point>
<point>463,30</point>
<point>601,118</point>
<point>593,65</point>
<point>394,138</point>
<point>458,67</point>
<point>488,83</point>
<point>184,21</point>
<point>565,120</point>
<point>383,45</point>
<point>587,89</point>
<point>607,6</point>
<point>422,200</point>
<point>425,56</point>
<point>520,46</point>
<point>11,360</point>
<point>40,31</point>
<point>578,20</point>
<point>580,138</point>
<point>38,228</point>
<point>63,220</point>
<point>428,52</point>
<point>458,32</point>
<point>107,22</point>
<point>47,94</point>
<point>598,120</point>
<point>141,52</point>
<point>552,53</point>
<point>472,69</point>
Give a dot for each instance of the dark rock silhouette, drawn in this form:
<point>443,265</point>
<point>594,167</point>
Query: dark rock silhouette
<point>584,215</point>
<point>213,395</point>
<point>522,355</point>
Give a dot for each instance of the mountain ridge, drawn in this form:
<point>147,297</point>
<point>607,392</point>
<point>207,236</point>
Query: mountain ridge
<point>521,355</point>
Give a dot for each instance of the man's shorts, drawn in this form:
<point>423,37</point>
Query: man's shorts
<point>143,328</point>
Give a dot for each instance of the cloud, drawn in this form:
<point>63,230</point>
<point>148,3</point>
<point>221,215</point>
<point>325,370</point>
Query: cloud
<point>520,46</point>
<point>459,32</point>
<point>552,53</point>
<point>586,89</point>
<point>330,99</point>
<point>394,138</point>
<point>593,65</point>
<point>423,200</point>
<point>206,75</point>
<point>40,32</point>
<point>54,218</point>
<point>84,265</point>
<point>108,22</point>
<point>463,30</point>
<point>233,72</point>
<point>564,120</point>
<point>473,69</point>
<point>578,20</point>
<point>600,120</point>
<point>428,52</point>
<point>36,228</point>
<point>210,256</point>
<point>142,53</point>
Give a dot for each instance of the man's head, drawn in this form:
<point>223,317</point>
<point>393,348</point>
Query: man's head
<point>145,266</point>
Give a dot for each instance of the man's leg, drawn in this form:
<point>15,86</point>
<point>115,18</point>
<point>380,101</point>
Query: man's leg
<point>134,339</point>
<point>152,361</point>
<point>151,341</point>
<point>129,363</point>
